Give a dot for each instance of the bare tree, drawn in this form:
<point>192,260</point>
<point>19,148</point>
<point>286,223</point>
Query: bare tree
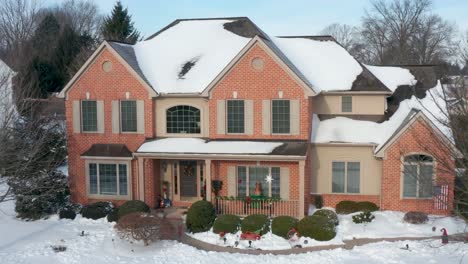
<point>344,34</point>
<point>140,227</point>
<point>463,48</point>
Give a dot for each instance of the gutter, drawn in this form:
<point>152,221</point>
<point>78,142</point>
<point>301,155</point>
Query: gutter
<point>193,156</point>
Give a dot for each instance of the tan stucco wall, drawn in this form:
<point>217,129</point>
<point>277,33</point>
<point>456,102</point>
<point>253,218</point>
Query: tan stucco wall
<point>321,165</point>
<point>162,104</point>
<point>362,104</point>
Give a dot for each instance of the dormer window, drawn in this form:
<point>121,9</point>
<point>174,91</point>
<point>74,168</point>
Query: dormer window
<point>183,119</point>
<point>346,104</point>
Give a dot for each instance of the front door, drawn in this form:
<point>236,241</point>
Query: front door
<point>188,178</point>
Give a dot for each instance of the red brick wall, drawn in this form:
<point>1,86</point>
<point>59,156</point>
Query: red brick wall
<point>107,87</point>
<point>259,85</point>
<point>419,138</point>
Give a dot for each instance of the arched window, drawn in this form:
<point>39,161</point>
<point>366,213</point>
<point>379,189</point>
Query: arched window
<point>417,176</point>
<point>183,119</point>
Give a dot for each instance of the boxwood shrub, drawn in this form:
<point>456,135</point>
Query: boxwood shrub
<point>329,214</point>
<point>113,216</point>
<point>200,216</point>
<point>132,207</point>
<point>256,223</point>
<point>367,207</point>
<point>349,207</point>
<point>281,225</point>
<point>96,210</point>
<point>413,217</point>
<point>227,223</point>
<point>317,227</point>
<point>67,213</point>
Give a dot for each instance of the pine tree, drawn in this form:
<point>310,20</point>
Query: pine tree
<point>119,26</point>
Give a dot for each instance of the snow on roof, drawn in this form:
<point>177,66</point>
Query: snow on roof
<point>392,76</point>
<point>186,57</point>
<point>346,130</point>
<point>325,64</point>
<point>197,145</point>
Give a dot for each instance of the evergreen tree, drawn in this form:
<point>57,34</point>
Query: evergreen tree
<point>119,27</point>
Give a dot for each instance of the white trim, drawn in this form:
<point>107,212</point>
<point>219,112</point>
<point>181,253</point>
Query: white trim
<point>418,168</point>
<point>116,196</point>
<point>247,157</point>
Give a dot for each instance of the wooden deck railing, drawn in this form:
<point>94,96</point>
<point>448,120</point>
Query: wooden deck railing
<point>244,207</point>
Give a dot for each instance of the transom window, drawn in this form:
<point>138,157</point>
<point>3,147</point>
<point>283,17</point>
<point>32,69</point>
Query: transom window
<point>417,176</point>
<point>183,119</point>
<point>249,179</point>
<point>128,115</point>
<point>280,116</point>
<point>235,116</point>
<point>108,178</point>
<point>346,103</point>
<point>346,177</point>
<point>89,116</point>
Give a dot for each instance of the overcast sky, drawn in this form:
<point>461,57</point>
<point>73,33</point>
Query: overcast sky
<point>276,17</point>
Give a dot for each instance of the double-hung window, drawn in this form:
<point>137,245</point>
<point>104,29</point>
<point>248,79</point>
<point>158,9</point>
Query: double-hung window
<point>108,178</point>
<point>346,104</point>
<point>261,181</point>
<point>418,172</point>
<point>128,116</point>
<point>346,177</point>
<point>89,118</point>
<point>235,116</point>
<point>280,116</point>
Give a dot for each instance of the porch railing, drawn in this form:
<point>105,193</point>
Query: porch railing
<point>244,207</point>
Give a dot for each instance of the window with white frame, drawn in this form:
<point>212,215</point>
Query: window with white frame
<point>346,104</point>
<point>108,178</point>
<point>183,119</point>
<point>418,173</point>
<point>235,116</point>
<point>280,116</point>
<point>346,177</point>
<point>128,115</point>
<point>89,116</point>
<point>253,177</point>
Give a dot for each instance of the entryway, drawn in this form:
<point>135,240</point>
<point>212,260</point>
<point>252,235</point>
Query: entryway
<point>188,179</point>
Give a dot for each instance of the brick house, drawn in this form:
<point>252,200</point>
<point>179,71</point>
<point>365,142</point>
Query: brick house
<point>286,118</point>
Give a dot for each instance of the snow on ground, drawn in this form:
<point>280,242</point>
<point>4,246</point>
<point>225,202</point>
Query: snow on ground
<point>392,76</point>
<point>197,145</point>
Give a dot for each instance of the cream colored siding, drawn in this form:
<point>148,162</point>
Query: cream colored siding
<point>321,163</point>
<point>266,117</point>
<point>284,183</point>
<point>361,104</point>
<point>249,117</point>
<point>115,117</point>
<point>76,117</point>
<point>221,117</point>
<point>140,116</point>
<point>100,116</point>
<point>295,117</point>
<point>232,183</point>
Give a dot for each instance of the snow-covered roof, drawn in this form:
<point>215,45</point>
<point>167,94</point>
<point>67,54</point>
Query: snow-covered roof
<point>346,130</point>
<point>392,76</point>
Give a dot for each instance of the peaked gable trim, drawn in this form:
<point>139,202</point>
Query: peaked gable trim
<point>91,60</point>
<point>257,40</point>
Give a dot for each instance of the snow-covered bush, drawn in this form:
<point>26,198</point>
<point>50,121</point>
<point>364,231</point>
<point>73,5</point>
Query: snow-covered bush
<point>415,217</point>
<point>227,223</point>
<point>281,225</point>
<point>200,216</point>
<point>317,227</point>
<point>67,213</point>
<point>140,227</point>
<point>132,207</point>
<point>256,223</point>
<point>329,214</point>
<point>97,210</point>
<point>364,217</point>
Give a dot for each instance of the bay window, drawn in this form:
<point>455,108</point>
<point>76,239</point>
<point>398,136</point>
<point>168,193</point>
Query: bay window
<point>108,178</point>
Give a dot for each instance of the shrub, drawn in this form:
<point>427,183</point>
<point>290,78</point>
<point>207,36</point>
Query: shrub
<point>317,227</point>
<point>346,207</point>
<point>329,214</point>
<point>281,225</point>
<point>226,223</point>
<point>318,202</point>
<point>366,207</point>
<point>364,217</point>
<point>139,226</point>
<point>96,210</point>
<point>113,215</point>
<point>200,217</point>
<point>132,207</point>
<point>415,217</point>
<point>256,223</point>
<point>67,213</point>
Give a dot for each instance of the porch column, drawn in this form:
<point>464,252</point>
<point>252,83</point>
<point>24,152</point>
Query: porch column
<point>208,179</point>
<point>301,188</point>
<point>141,180</point>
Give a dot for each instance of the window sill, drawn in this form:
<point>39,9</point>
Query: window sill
<point>108,197</point>
<point>417,198</point>
<point>281,134</point>
<point>348,193</point>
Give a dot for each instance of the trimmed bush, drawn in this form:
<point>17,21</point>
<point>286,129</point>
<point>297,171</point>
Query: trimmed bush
<point>346,207</point>
<point>67,213</point>
<point>318,201</point>
<point>113,215</point>
<point>256,223</point>
<point>97,210</point>
<point>281,225</point>
<point>200,217</point>
<point>139,226</point>
<point>364,217</point>
<point>132,207</point>
<point>317,227</point>
<point>415,217</point>
<point>329,214</point>
<point>367,207</point>
<point>226,223</point>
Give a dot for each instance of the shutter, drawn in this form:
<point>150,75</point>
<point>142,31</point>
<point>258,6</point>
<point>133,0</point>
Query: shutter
<point>294,117</point>
<point>115,117</point>
<point>266,117</point>
<point>76,117</point>
<point>231,181</point>
<point>100,116</point>
<point>221,117</point>
<point>284,183</point>
<point>140,116</point>
<point>249,117</point>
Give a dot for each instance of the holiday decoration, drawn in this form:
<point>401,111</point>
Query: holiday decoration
<point>250,236</point>
<point>268,178</point>
<point>258,189</point>
<point>444,236</point>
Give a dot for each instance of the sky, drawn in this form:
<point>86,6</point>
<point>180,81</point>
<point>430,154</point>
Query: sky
<point>276,17</point>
